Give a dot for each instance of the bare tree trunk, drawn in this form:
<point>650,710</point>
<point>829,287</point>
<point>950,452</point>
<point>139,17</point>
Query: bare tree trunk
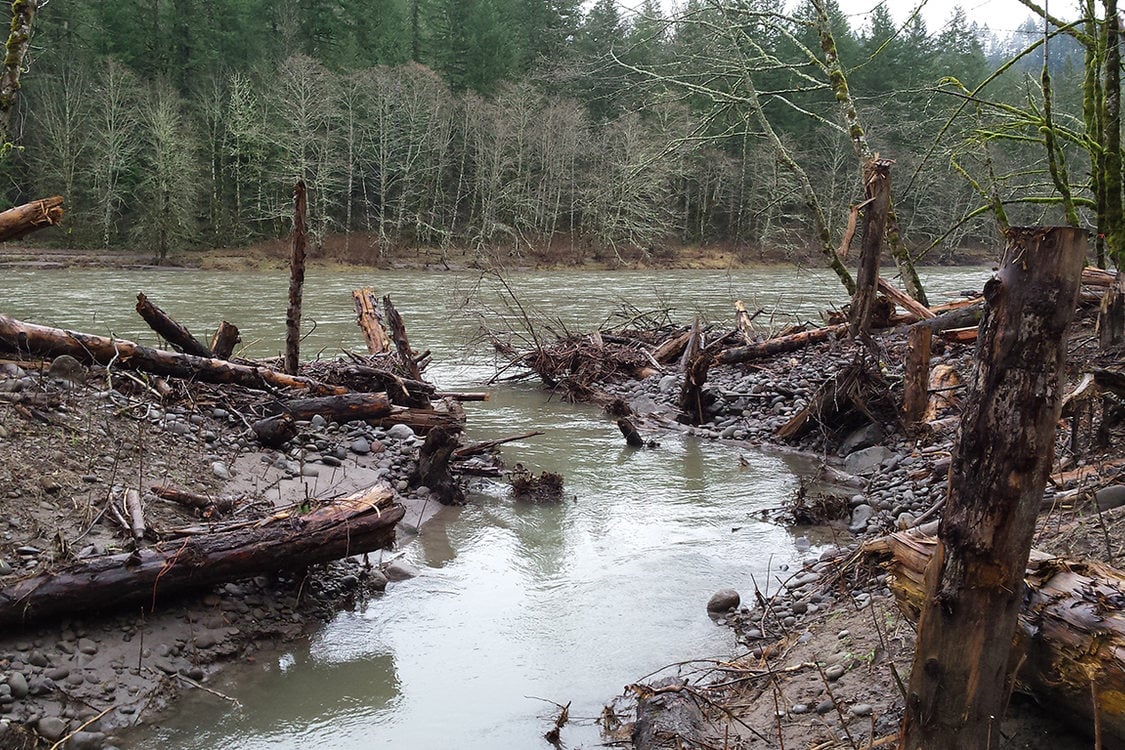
<point>19,40</point>
<point>961,676</point>
<point>877,189</point>
<point>296,281</point>
<point>917,374</point>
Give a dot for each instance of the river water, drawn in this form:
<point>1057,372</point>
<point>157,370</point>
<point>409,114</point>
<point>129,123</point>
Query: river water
<point>518,606</point>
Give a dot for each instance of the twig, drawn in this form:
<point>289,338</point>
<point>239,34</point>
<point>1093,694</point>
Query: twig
<point>87,723</point>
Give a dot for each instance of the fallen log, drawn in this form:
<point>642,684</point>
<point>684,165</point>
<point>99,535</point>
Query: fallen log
<point>960,335</point>
<point>289,540</point>
<point>780,344</point>
<point>369,320</point>
<point>342,408</point>
<point>962,316</point>
<point>280,427</point>
<point>43,341</point>
<point>1111,380</point>
<point>204,503</point>
<point>23,220</point>
<point>671,348</point>
<point>1070,640</point>
<point>171,331</point>
<point>487,445</point>
<point>905,301</point>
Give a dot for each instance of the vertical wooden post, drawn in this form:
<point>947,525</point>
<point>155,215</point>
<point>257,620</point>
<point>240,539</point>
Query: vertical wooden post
<point>877,188</point>
<point>225,339</point>
<point>962,676</point>
<point>402,343</point>
<point>369,320</point>
<point>296,281</point>
<point>916,393</point>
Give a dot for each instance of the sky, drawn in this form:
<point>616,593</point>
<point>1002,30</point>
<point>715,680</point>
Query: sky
<point>998,15</point>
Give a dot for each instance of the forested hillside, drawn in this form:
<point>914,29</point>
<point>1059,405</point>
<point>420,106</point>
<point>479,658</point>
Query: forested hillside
<point>470,124</point>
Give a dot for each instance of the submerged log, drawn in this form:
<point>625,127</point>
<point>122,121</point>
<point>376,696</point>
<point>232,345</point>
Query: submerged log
<point>781,344</point>
<point>629,432</point>
<point>171,331</point>
<point>1070,641</point>
<point>43,341</point>
<point>289,540</point>
<point>487,445</point>
<point>23,220</point>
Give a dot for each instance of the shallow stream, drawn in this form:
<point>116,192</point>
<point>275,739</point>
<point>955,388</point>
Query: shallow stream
<point>518,607</point>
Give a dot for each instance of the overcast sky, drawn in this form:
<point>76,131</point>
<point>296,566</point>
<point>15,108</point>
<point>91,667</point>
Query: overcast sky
<point>998,15</point>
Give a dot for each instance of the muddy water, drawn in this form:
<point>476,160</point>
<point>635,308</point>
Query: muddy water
<point>516,603</point>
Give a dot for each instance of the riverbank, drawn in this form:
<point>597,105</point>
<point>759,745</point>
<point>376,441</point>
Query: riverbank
<point>826,647</point>
<point>74,439</point>
<point>358,250</point>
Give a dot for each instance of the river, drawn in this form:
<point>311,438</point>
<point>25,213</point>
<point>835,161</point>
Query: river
<point>518,607</point>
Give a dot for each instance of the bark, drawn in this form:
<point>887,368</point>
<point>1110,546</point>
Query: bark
<point>877,189</point>
<point>171,331</point>
<point>780,344</point>
<point>289,540</point>
<point>1070,638</point>
<point>960,679</point>
<point>433,466</point>
<point>296,281</point>
<point>916,392</point>
<point>225,339</point>
<point>343,408</point>
<point>23,220</point>
<point>370,321</point>
<point>402,343</point>
<point>31,339</point>
<point>671,348</point>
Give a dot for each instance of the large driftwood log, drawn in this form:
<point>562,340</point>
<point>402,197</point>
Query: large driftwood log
<point>43,341</point>
<point>23,220</point>
<point>359,523</point>
<point>369,320</point>
<point>280,427</point>
<point>171,331</point>
<point>781,344</point>
<point>960,679</point>
<point>1070,641</point>
<point>904,300</point>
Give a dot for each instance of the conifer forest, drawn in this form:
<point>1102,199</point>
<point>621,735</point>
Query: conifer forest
<point>473,124</point>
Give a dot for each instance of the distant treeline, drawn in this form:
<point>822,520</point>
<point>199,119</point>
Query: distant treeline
<point>174,124</point>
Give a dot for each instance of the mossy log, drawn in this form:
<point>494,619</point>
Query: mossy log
<point>43,341</point>
<point>1070,641</point>
<point>289,540</point>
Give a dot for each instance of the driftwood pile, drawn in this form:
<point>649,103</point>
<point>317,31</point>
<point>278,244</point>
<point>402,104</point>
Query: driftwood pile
<point>383,388</point>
